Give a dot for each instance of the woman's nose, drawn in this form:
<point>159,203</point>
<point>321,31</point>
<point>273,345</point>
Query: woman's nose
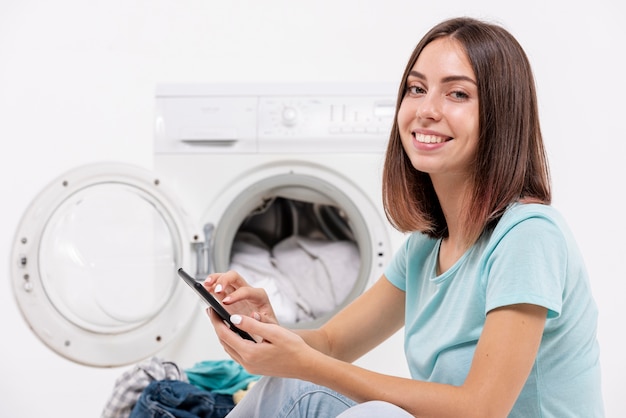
<point>429,108</point>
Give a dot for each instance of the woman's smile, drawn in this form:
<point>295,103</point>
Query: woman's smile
<point>430,139</point>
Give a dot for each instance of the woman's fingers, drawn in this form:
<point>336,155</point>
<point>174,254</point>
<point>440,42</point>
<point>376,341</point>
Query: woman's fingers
<point>221,329</point>
<point>232,290</point>
<point>225,282</point>
<point>251,294</point>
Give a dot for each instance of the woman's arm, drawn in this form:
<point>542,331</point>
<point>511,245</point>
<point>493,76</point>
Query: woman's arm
<point>345,336</point>
<point>502,362</point>
<point>369,320</point>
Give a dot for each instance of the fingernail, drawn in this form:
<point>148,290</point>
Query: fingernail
<point>257,316</point>
<point>235,319</point>
<point>218,288</point>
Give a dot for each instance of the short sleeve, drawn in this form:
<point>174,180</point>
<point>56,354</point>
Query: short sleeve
<point>528,265</point>
<point>395,271</point>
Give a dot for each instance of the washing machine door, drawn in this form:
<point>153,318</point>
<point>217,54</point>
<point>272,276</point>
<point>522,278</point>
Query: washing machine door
<point>94,265</point>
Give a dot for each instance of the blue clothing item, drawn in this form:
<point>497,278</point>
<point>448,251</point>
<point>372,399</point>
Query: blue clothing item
<point>277,397</point>
<point>177,399</point>
<point>290,398</point>
<point>130,385</point>
<point>530,257</point>
<point>220,376</point>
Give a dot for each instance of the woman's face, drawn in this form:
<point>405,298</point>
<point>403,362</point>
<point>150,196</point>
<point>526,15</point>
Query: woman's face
<point>438,116</point>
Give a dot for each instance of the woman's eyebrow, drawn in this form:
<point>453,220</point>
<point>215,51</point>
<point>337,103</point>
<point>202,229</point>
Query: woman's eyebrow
<point>447,79</point>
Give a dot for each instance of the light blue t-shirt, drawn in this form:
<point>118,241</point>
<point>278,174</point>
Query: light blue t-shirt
<point>530,257</point>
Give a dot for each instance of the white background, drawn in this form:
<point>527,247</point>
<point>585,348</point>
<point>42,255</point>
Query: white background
<point>77,81</point>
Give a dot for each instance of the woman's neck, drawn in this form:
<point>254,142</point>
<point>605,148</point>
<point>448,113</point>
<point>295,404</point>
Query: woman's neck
<point>453,197</point>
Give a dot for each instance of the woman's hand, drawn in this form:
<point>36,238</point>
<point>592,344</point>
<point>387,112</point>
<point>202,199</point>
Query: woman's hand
<point>234,292</point>
<point>278,351</point>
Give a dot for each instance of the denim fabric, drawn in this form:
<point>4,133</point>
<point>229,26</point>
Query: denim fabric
<point>177,399</point>
<point>129,386</point>
<point>274,397</point>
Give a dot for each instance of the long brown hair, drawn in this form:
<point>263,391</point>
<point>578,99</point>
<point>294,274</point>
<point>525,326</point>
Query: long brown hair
<point>510,163</point>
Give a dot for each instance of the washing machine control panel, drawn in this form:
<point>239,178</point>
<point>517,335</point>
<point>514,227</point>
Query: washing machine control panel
<point>324,123</point>
<point>275,119</point>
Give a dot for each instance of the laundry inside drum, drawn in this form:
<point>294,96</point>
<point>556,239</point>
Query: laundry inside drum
<point>303,254</point>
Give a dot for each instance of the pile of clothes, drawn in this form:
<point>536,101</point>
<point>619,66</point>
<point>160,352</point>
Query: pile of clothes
<point>303,254</point>
<point>159,388</point>
<point>304,278</point>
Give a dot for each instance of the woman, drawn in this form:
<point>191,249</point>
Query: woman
<point>490,287</point>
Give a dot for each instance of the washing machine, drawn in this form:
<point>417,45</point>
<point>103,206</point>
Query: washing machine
<point>279,181</point>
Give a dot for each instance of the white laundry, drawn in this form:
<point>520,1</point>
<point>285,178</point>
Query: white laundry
<point>304,278</point>
<point>251,258</point>
<point>321,273</point>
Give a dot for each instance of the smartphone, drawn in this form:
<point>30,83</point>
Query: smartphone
<point>213,303</point>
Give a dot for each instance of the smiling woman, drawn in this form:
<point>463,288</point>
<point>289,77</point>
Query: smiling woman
<point>78,81</point>
<point>488,286</point>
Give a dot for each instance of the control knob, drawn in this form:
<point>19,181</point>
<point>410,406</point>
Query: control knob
<point>289,116</point>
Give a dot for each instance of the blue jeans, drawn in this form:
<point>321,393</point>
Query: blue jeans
<point>178,399</point>
<point>290,398</point>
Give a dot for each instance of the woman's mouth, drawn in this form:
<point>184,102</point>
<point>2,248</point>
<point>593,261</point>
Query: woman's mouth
<point>430,139</point>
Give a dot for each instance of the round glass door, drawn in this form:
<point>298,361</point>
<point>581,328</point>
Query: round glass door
<point>96,258</point>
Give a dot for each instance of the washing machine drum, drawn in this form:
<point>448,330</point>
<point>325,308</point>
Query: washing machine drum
<point>94,266</point>
<point>303,232</point>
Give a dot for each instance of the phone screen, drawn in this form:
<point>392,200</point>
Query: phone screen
<point>213,303</point>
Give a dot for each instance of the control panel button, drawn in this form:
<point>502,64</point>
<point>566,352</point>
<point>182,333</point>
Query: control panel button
<point>289,116</point>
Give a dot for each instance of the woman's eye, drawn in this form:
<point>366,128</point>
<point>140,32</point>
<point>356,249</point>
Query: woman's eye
<point>414,90</point>
<point>459,95</point>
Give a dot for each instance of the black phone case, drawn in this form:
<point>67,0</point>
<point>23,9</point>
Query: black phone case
<point>212,302</point>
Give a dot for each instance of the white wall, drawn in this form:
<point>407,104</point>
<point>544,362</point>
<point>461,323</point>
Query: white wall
<point>77,81</point>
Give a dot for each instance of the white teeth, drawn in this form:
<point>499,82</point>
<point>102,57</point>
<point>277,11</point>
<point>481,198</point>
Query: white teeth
<point>429,139</point>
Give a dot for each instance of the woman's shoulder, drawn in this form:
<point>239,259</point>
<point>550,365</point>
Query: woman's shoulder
<point>419,239</point>
<point>524,219</point>
<point>531,222</point>
<point>519,212</point>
